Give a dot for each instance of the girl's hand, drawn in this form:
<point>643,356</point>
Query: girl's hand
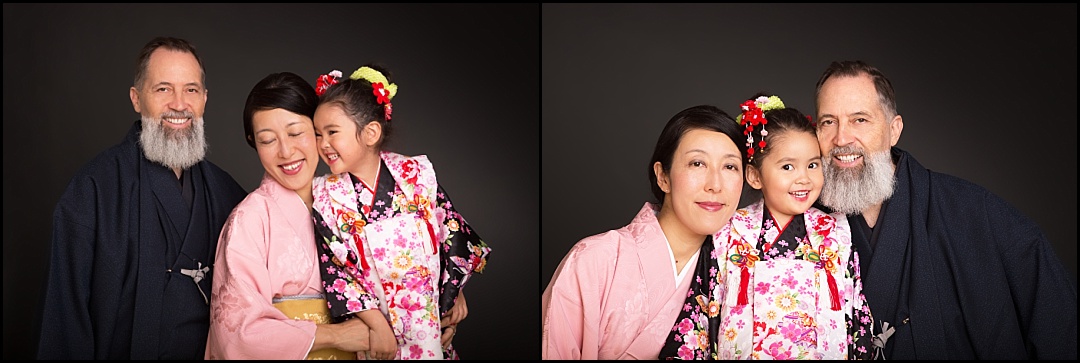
<point>452,317</point>
<point>457,313</point>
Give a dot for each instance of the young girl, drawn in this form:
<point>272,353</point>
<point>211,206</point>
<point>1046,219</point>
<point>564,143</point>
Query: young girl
<point>790,285</point>
<point>393,250</point>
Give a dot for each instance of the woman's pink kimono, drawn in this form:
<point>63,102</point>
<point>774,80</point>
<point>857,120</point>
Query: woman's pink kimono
<point>614,295</point>
<point>266,250</point>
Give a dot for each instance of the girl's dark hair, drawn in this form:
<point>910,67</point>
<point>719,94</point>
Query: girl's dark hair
<point>704,117</point>
<point>779,122</point>
<point>357,100</point>
<point>285,90</point>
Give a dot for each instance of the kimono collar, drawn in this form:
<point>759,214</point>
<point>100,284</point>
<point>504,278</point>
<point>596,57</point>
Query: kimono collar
<point>821,236</point>
<point>290,203</point>
<point>412,174</point>
<point>645,227</point>
<point>340,190</point>
<point>416,178</point>
<point>747,221</point>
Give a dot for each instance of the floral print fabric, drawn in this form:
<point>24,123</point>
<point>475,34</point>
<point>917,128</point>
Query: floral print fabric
<point>693,335</point>
<point>767,292</point>
<point>791,293</point>
<point>402,249</point>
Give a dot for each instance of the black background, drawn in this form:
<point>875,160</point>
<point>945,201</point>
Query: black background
<point>987,92</point>
<point>468,78</point>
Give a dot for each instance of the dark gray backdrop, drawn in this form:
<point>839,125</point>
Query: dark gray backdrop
<point>987,91</point>
<point>468,98</point>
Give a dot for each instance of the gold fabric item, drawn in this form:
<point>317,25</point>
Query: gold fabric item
<point>315,310</point>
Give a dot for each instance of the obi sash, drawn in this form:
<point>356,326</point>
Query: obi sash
<point>312,308</point>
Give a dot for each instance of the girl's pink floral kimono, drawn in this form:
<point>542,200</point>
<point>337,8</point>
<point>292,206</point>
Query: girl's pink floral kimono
<point>790,292</point>
<point>398,246</point>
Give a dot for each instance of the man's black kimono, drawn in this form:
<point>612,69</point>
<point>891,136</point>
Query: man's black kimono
<point>128,241</point>
<point>961,274</point>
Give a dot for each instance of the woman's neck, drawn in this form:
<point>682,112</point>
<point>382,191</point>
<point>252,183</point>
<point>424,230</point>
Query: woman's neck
<point>684,242</point>
<point>305,195</point>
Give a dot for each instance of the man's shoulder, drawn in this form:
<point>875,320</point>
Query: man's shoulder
<point>954,187</point>
<point>215,171</point>
<point>965,197</point>
<point>110,162</point>
<point>111,174</point>
<point>945,185</point>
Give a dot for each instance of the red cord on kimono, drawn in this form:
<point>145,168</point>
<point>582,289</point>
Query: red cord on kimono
<point>828,264</point>
<point>833,294</point>
<point>744,257</point>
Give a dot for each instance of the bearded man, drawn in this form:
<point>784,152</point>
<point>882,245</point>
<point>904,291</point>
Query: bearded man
<point>135,232</point>
<point>949,270</point>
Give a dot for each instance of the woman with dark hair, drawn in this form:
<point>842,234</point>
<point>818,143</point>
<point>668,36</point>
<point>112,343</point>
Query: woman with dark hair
<point>648,290</point>
<point>268,296</point>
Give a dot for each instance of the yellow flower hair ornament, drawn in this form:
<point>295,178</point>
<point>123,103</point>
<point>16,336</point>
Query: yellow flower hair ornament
<point>383,90</point>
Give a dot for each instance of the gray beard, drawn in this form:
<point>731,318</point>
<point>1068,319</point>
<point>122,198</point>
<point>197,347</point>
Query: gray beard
<point>851,190</point>
<point>176,149</point>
